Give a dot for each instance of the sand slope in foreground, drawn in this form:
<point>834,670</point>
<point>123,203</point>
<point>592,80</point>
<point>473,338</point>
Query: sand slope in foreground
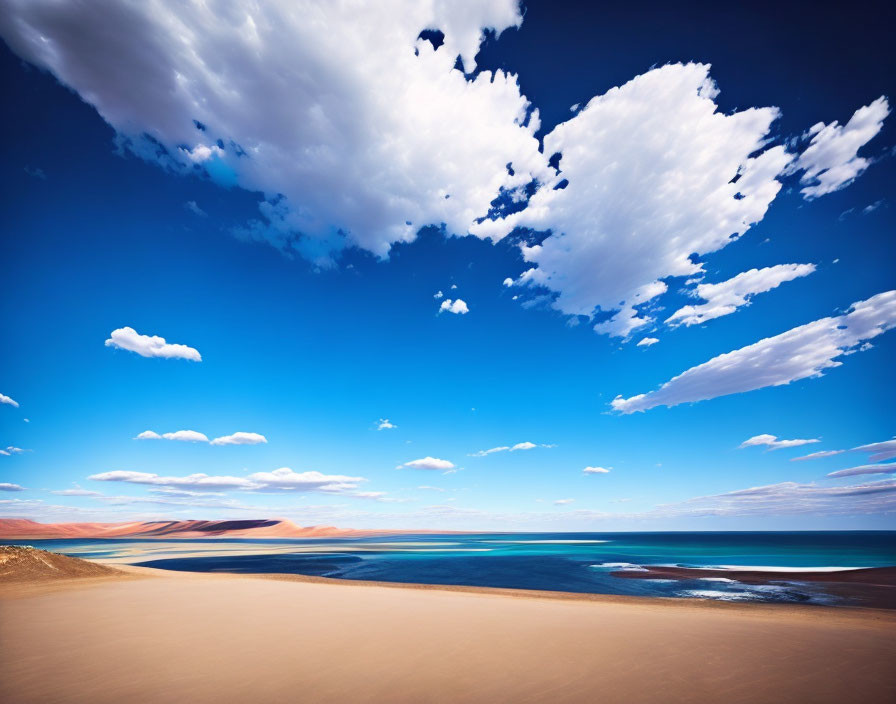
<point>27,564</point>
<point>181,637</point>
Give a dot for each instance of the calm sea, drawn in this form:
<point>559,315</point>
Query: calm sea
<point>574,562</point>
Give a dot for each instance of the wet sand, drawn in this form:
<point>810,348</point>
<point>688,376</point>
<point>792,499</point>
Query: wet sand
<point>158,636</point>
<point>872,586</point>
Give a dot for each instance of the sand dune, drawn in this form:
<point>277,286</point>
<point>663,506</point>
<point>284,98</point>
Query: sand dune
<point>24,529</point>
<point>25,564</point>
<point>182,637</point>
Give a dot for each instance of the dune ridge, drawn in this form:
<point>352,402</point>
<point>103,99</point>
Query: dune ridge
<point>26,529</point>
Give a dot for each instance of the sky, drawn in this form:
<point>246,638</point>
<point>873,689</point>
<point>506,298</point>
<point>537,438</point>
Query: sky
<point>422,265</point>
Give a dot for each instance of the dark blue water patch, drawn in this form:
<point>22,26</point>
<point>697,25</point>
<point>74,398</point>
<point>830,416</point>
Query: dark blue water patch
<point>534,572</point>
<point>313,565</point>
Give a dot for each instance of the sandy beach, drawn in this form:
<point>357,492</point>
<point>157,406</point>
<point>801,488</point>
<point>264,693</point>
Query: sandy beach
<point>154,636</point>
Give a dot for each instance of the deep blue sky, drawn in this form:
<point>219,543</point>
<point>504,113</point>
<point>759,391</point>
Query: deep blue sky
<point>311,358</point>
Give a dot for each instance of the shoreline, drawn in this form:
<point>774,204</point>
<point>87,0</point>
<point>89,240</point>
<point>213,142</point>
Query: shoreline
<point>148,635</point>
<point>16,590</point>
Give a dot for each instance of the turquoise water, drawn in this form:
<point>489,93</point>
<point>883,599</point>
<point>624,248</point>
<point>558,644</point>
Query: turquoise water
<point>575,562</point>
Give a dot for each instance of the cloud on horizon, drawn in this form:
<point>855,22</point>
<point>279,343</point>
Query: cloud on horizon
<point>283,479</point>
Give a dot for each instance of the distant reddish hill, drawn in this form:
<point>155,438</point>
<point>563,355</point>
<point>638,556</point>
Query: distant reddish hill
<point>24,529</point>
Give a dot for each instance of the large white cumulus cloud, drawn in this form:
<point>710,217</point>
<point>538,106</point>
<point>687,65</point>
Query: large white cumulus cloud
<point>655,174</point>
<point>335,111</point>
<point>357,132</point>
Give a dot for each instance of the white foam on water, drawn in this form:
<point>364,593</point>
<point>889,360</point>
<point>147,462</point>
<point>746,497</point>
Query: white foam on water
<point>720,595</point>
<point>717,579</point>
<point>624,566</point>
<point>547,542</point>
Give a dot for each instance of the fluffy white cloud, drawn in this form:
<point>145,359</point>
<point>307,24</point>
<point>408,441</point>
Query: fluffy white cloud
<point>773,443</point>
<point>803,352</point>
<point>726,297</point>
<point>831,160</point>
<point>352,127</point>
<point>438,294</point>
<point>865,469</point>
<point>647,341</point>
<point>12,450</point>
<point>384,424</point>
<point>283,479</point>
<point>816,455</point>
<point>150,345</point>
<point>6,486</point>
<point>654,173</point>
<point>427,463</point>
<point>881,450</point>
<point>596,470</point>
<point>7,400</point>
<point>180,435</point>
<point>148,435</point>
<point>240,438</point>
<point>458,306</point>
<point>508,448</point>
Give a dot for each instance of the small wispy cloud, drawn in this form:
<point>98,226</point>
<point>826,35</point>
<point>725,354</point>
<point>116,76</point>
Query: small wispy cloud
<point>508,448</point>
<point>773,443</point>
<point>429,463</point>
<point>195,209</point>
<point>8,401</point>
<point>6,486</point>
<point>880,450</point>
<point>385,424</point>
<point>596,470</point>
<point>889,468</point>
<point>817,455</point>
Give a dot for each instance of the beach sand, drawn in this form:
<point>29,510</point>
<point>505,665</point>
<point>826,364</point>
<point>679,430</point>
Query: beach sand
<point>155,636</point>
